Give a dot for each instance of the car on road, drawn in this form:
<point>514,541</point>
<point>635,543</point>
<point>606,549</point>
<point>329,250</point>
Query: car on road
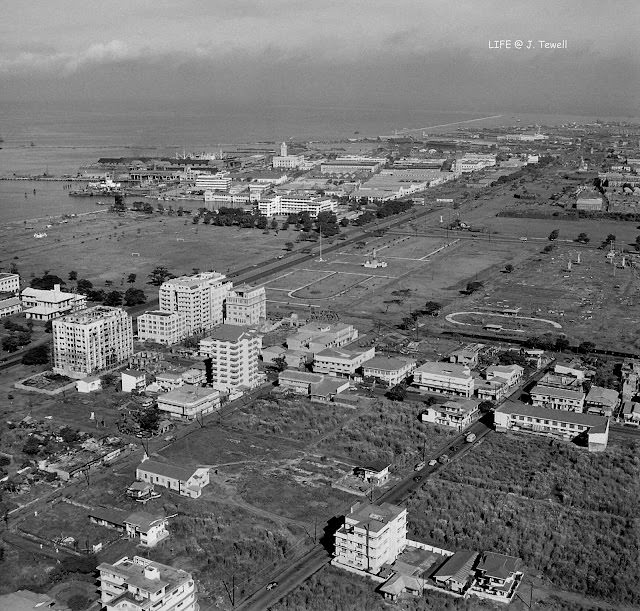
<point>417,478</point>
<point>433,462</point>
<point>273,584</point>
<point>523,239</point>
<point>470,438</point>
<point>170,438</point>
<point>419,466</point>
<point>443,459</point>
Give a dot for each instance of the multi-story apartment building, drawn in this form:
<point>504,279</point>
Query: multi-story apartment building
<point>389,370</point>
<point>140,584</point>
<point>213,182</point>
<point>446,378</point>
<point>557,423</point>
<point>200,298</point>
<point>9,283</point>
<point>340,361</point>
<point>246,305</point>
<point>234,352</point>
<point>162,327</point>
<point>40,304</point>
<point>372,535</point>
<point>457,413</point>
<point>511,375</point>
<point>557,397</point>
<point>88,341</point>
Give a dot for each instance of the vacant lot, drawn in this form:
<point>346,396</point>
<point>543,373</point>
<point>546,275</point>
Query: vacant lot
<point>389,432</point>
<point>570,515</point>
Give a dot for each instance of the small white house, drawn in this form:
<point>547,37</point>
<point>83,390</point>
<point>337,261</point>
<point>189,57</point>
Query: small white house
<point>89,384</point>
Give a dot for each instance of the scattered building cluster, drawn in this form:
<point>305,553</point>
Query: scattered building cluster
<point>373,542</point>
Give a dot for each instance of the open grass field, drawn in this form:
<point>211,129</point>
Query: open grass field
<point>99,247</point>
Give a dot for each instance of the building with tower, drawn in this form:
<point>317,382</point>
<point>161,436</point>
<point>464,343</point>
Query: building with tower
<point>284,160</point>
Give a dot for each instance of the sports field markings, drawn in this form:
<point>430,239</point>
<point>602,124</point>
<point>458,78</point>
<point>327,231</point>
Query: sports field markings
<point>278,278</point>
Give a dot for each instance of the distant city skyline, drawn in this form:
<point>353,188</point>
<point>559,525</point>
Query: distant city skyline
<point>430,53</point>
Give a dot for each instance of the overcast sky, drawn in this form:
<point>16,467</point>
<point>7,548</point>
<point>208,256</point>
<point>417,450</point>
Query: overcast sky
<point>325,52</point>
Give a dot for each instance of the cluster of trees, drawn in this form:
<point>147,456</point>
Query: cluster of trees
<point>19,335</point>
<point>565,512</point>
<point>431,308</point>
<point>473,287</point>
<point>147,208</point>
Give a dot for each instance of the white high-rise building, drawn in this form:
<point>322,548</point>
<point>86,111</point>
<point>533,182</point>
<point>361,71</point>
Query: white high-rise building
<point>200,298</point>
<point>140,584</point>
<point>246,305</point>
<point>91,340</point>
<point>233,351</point>
<point>162,327</point>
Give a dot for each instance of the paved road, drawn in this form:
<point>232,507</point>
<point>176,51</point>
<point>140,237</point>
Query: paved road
<point>287,580</point>
<point>297,572</point>
<point>620,430</point>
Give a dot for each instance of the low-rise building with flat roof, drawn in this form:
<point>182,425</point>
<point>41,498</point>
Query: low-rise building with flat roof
<point>391,370</point>
<point>187,403</point>
<point>556,397</point>
<point>444,378</point>
<point>340,361</point>
<point>561,424</point>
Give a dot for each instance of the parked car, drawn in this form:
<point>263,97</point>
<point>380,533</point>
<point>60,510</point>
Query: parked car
<point>273,584</point>
<point>432,462</point>
<point>417,478</point>
<point>419,466</point>
<point>443,459</point>
<point>470,438</point>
